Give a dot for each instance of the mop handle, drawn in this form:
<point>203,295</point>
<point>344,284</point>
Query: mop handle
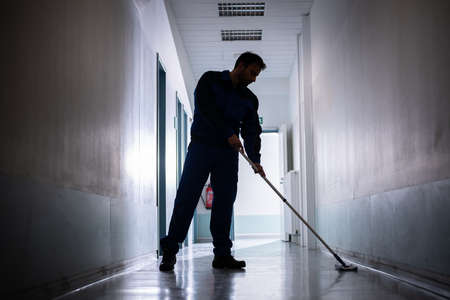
<point>252,164</point>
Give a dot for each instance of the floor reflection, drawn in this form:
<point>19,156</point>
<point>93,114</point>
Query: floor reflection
<point>275,270</point>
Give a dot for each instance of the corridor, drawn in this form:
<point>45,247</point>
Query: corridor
<point>343,104</point>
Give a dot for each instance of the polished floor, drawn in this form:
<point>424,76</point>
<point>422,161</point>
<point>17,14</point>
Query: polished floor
<point>275,270</point>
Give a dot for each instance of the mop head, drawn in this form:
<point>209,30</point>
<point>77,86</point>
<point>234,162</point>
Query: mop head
<point>348,267</point>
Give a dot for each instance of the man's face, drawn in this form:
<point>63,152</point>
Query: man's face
<point>248,74</point>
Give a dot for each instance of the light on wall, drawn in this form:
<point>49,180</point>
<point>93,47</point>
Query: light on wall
<point>140,162</point>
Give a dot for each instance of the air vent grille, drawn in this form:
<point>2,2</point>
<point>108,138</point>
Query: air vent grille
<point>241,35</point>
<point>241,9</point>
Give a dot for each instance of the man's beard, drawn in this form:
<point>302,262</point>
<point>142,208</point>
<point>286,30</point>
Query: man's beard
<point>244,83</point>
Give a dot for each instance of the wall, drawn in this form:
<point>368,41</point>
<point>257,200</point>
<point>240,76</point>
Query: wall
<point>274,107</point>
<point>183,59</point>
<point>161,32</point>
<point>77,162</point>
<point>302,132</point>
<point>294,114</point>
<point>273,96</point>
<point>380,74</point>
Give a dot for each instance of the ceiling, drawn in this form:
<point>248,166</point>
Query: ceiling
<point>200,28</point>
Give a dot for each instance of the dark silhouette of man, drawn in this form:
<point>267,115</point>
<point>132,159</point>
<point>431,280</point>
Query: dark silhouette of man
<point>224,107</point>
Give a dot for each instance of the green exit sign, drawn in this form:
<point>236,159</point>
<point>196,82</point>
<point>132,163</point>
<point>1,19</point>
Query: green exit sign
<point>260,120</point>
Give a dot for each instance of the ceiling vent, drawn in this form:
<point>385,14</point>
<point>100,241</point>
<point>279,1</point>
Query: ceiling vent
<point>241,35</point>
<point>241,9</point>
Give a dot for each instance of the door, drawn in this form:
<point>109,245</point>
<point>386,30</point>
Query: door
<point>285,213</point>
<point>179,134</point>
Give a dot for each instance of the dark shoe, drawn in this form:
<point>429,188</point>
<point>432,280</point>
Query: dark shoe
<point>228,262</point>
<point>168,262</point>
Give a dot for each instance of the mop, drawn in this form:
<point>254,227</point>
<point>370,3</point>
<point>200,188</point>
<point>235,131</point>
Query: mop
<point>340,267</point>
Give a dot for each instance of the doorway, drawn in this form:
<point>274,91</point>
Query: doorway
<point>181,149</point>
<point>161,149</point>
<point>257,210</point>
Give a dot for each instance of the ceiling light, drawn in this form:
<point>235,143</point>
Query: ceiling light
<point>241,35</point>
<point>241,9</point>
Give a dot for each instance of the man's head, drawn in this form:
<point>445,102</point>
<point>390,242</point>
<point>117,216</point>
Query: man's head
<point>247,68</point>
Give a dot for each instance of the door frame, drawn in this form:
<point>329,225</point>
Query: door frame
<point>160,150</point>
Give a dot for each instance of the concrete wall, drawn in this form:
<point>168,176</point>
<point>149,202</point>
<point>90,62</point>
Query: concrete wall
<point>78,132</point>
<point>380,74</point>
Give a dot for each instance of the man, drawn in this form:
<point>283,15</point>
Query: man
<point>223,105</point>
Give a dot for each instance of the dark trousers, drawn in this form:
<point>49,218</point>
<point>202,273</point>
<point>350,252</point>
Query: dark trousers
<point>201,160</point>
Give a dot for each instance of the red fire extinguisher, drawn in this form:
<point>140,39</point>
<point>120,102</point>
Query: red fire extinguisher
<point>209,196</point>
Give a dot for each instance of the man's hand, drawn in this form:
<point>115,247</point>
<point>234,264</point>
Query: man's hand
<point>235,142</point>
<point>259,170</point>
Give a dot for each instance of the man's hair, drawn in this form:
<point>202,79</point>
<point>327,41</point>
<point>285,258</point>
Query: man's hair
<point>248,58</point>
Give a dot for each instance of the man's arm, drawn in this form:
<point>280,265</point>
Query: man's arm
<point>207,106</point>
<point>250,132</point>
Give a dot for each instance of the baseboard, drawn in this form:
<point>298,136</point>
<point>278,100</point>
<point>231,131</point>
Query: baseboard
<point>258,236</point>
<point>438,284</point>
<point>203,240</point>
<point>243,236</point>
<point>67,285</point>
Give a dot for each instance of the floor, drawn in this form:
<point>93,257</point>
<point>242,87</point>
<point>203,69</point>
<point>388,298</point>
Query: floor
<point>275,270</point>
